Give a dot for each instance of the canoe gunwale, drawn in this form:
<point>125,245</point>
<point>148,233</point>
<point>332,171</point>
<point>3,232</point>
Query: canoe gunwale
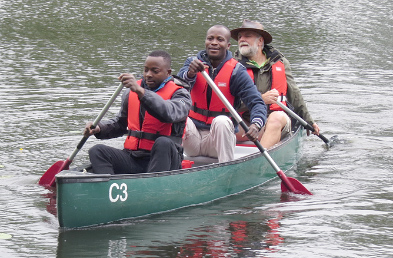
<point>84,177</point>
<point>78,175</point>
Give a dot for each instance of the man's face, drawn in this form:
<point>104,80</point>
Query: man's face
<point>249,42</point>
<point>156,71</point>
<point>217,43</point>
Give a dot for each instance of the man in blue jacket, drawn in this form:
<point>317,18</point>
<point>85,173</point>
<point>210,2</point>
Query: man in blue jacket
<point>209,129</point>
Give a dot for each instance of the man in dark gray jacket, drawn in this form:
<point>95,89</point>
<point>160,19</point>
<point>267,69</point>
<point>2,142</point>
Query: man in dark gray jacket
<point>153,114</point>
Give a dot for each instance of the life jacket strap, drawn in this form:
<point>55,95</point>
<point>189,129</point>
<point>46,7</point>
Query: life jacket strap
<point>152,136</point>
<point>209,113</point>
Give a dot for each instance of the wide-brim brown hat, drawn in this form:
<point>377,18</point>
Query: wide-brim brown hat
<point>252,26</point>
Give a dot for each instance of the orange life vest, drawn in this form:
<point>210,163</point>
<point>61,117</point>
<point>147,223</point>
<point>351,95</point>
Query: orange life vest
<point>279,82</point>
<point>143,136</point>
<point>200,110</point>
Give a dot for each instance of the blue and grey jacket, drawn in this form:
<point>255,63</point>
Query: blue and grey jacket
<point>241,86</point>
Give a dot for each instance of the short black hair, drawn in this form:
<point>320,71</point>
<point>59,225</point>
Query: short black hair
<point>165,55</point>
<point>227,31</point>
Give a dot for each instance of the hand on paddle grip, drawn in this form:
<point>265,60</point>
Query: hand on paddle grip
<point>252,133</point>
<point>195,66</point>
<point>90,129</point>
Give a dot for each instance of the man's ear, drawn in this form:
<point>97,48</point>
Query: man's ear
<point>229,45</point>
<point>169,71</point>
<point>261,42</point>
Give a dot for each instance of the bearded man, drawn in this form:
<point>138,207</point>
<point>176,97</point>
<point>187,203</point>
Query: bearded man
<point>272,75</point>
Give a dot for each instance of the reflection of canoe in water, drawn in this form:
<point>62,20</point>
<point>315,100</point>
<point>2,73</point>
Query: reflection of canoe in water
<point>228,227</point>
<point>85,199</point>
<point>194,232</point>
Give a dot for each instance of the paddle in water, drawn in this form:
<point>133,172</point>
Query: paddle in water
<point>48,178</point>
<point>288,184</point>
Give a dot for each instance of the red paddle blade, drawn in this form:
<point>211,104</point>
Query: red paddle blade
<point>297,186</point>
<point>48,178</point>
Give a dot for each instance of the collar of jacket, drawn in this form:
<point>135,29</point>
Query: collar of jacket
<point>144,85</point>
<point>272,56</point>
<point>202,55</point>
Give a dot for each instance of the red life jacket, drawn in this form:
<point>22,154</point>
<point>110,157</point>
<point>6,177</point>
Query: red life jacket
<point>143,136</point>
<point>279,82</point>
<point>200,111</point>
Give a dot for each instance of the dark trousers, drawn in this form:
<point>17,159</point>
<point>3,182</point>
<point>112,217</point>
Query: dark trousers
<point>164,156</point>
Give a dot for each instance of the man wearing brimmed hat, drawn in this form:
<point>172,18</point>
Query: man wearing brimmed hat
<point>272,75</point>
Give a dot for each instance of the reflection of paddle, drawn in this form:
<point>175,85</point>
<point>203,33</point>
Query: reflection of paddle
<point>287,183</point>
<point>304,123</point>
<point>48,178</point>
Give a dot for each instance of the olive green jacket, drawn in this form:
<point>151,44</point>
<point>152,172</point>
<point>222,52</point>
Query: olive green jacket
<point>263,80</point>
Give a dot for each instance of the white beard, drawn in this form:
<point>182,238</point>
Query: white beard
<point>248,51</point>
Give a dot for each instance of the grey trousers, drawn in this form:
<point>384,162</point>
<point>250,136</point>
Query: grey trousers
<point>218,142</point>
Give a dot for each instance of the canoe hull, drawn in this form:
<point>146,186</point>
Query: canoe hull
<point>85,199</point>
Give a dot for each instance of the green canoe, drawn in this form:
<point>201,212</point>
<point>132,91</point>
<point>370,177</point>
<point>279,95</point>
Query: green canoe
<point>86,199</point>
